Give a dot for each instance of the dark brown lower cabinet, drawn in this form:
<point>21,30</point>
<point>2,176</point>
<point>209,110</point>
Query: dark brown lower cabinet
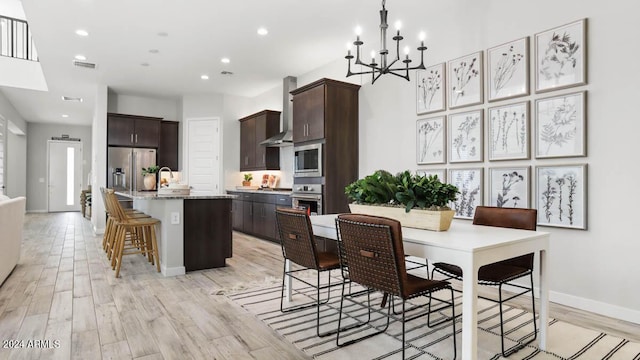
<point>207,233</point>
<point>255,213</point>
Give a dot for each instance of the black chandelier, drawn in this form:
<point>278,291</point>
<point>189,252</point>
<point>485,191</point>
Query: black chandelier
<point>377,70</point>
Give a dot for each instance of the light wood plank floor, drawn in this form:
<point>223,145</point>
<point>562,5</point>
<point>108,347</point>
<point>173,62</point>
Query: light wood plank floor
<point>64,290</point>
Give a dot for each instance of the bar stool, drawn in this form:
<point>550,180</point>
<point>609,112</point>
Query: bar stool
<point>109,233</point>
<point>131,235</point>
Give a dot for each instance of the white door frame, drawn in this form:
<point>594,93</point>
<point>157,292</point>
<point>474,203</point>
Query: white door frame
<point>185,157</point>
<point>3,161</point>
<point>80,166</point>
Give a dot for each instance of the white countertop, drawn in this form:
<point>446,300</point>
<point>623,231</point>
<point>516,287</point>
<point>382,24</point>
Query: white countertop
<point>152,195</point>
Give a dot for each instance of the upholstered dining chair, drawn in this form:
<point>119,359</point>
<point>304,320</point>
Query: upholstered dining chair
<point>372,248</point>
<point>299,247</point>
<point>503,272</point>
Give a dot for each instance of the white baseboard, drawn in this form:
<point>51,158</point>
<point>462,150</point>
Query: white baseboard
<point>37,211</point>
<point>97,231</point>
<point>173,271</point>
<point>594,306</point>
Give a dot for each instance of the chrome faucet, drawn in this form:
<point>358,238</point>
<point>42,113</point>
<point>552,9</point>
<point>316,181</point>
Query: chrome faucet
<point>159,179</point>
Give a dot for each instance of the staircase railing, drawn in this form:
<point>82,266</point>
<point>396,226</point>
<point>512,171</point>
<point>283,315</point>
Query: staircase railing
<point>16,40</point>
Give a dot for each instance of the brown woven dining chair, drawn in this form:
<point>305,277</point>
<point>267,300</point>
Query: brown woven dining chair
<point>299,247</point>
<point>372,247</point>
<point>503,272</point>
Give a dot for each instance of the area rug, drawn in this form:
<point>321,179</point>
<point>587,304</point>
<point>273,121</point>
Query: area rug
<point>565,341</point>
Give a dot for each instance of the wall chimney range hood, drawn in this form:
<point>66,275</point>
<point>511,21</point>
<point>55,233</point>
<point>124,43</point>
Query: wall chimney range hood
<point>285,137</point>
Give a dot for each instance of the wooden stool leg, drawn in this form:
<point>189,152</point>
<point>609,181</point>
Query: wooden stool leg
<point>148,230</point>
<point>119,250</point>
<point>121,234</point>
<point>154,242</point>
<point>107,230</point>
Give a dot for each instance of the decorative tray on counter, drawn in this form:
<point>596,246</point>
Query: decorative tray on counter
<point>174,189</point>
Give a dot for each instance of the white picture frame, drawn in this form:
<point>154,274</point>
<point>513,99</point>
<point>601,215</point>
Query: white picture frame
<point>509,186</point>
<point>508,132</point>
<point>561,195</point>
<point>430,140</point>
<point>470,184</point>
<point>561,126</point>
<point>465,81</point>
<point>430,85</point>
<point>465,136</point>
<point>508,70</point>
<point>561,57</point>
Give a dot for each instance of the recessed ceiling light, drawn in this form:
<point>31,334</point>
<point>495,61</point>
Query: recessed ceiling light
<point>204,77</point>
<point>81,32</point>
<point>65,115</point>
<point>262,31</point>
<point>163,34</point>
<point>154,51</point>
<point>225,60</point>
<point>81,57</point>
<point>144,64</point>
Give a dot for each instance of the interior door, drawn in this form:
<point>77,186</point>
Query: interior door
<point>64,175</point>
<point>3,158</point>
<point>203,154</point>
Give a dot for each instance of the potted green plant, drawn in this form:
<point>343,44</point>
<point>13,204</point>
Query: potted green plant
<point>415,200</point>
<point>149,175</point>
<point>247,179</point>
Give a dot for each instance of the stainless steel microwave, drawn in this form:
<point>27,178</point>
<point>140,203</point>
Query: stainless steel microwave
<point>307,160</point>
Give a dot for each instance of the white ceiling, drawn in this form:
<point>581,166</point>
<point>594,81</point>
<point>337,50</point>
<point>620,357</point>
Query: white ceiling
<point>303,35</point>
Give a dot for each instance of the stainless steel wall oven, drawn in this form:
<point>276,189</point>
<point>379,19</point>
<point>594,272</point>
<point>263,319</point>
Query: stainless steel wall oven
<point>308,197</point>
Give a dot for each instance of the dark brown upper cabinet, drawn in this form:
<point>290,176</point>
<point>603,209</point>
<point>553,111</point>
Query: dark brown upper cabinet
<point>253,130</point>
<point>133,130</point>
<point>168,145</point>
<point>323,108</point>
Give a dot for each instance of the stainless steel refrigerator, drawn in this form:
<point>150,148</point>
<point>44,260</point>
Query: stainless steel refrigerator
<point>124,167</point>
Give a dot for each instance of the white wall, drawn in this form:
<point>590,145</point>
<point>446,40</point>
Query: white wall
<point>16,165</point>
<point>166,108</point>
<point>592,269</point>
<point>99,158</point>
<point>16,170</point>
<point>38,135</point>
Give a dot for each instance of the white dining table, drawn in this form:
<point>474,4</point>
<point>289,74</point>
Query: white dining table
<point>470,247</point>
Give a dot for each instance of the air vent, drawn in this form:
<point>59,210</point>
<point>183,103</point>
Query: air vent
<point>84,64</point>
<point>224,72</point>
<point>69,98</point>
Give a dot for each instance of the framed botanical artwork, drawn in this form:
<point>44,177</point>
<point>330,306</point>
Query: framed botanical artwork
<point>561,126</point>
<point>464,79</point>
<point>508,70</point>
<point>561,195</point>
<point>508,128</point>
<point>465,135</point>
<point>469,183</point>
<point>561,57</point>
<point>430,146</point>
<point>430,95</point>
<point>509,186</point>
<point>440,173</point>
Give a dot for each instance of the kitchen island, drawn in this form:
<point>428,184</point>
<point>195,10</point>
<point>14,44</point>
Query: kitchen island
<point>194,231</point>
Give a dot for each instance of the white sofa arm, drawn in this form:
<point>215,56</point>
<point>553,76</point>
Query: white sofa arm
<point>11,225</point>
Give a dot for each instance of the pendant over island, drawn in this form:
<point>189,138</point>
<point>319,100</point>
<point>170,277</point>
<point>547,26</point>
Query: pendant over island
<point>194,232</point>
